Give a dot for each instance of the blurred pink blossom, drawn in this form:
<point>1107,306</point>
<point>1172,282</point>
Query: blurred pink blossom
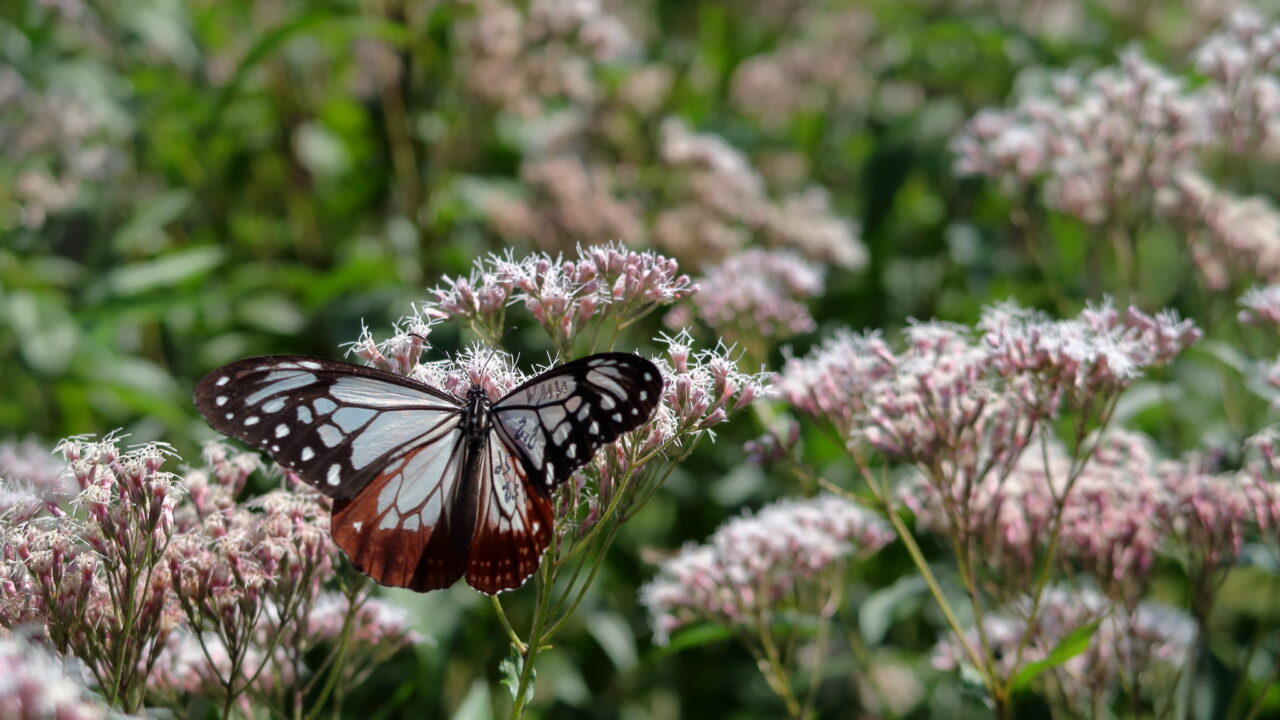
<point>757,296</point>
<point>757,565</point>
<point>1147,640</point>
<point>1103,145</point>
<point>1233,241</point>
<point>34,685</point>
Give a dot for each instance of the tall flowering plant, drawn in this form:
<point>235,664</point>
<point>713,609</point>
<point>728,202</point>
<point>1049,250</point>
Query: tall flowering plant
<point>583,305</point>
<point>963,407</point>
<point>168,588</point>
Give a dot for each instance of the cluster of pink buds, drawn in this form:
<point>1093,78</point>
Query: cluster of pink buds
<point>1104,145</point>
<point>31,481</point>
<point>1261,307</point>
<point>1242,96</point>
<point>755,298</point>
<point>1147,640</point>
<point>1232,239</point>
<point>34,685</point>
<point>564,296</point>
<point>757,565</point>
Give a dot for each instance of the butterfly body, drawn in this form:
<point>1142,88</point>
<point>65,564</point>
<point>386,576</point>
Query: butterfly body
<point>429,487</point>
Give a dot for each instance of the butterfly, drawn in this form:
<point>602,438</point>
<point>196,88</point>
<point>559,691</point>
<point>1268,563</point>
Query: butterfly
<point>429,487</point>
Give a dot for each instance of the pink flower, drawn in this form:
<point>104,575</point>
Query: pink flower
<point>754,565</point>
<point>1103,145</point>
<point>755,295</point>
<point>1151,638</point>
<point>34,685</point>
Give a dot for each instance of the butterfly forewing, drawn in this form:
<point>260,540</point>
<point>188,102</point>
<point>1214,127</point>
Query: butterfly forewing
<point>334,424</point>
<point>557,421</point>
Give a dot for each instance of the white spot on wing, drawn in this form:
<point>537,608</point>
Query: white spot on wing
<point>307,454</point>
<point>273,405</point>
<point>308,364</point>
<point>251,420</point>
<point>333,475</point>
<point>329,435</point>
<point>221,401</point>
<point>606,401</point>
<point>282,430</point>
<point>595,428</point>
<point>222,381</point>
<point>304,414</point>
<point>324,406</point>
<point>617,417</point>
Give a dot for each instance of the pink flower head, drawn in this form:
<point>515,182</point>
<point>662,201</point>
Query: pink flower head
<point>758,294</point>
<point>1151,637</point>
<point>752,566</point>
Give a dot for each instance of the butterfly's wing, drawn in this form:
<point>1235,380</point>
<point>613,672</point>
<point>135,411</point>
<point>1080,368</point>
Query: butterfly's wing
<point>389,450</point>
<point>412,524</point>
<point>513,525</point>
<point>555,422</point>
<point>337,425</point>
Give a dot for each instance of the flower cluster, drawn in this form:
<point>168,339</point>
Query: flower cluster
<point>87,580</point>
<point>822,66</point>
<point>966,406</point>
<point>604,282</point>
<point>523,59</point>
<point>36,686</point>
<point>53,148</point>
<point>755,565</point>
<point>165,586</point>
<point>1074,361</point>
<point>1145,640</point>
<point>1242,95</point>
<point>755,296</point>
<point>977,397</point>
<point>1261,307</point>
<point>723,202</point>
<point>1103,144</point>
<point>1229,237</point>
<point>31,481</point>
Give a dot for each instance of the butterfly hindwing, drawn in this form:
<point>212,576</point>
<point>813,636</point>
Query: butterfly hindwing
<point>556,421</point>
<point>411,525</point>
<point>335,424</point>
<point>513,524</point>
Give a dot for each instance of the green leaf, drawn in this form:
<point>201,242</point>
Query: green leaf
<point>1071,645</point>
<point>510,670</point>
<point>476,705</point>
<point>615,638</point>
<point>879,611</point>
<point>693,636</point>
<point>144,233</point>
<point>167,271</point>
